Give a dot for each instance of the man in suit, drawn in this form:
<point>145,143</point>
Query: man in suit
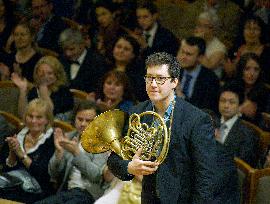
<point>84,67</point>
<point>156,38</point>
<point>47,25</point>
<point>189,173</point>
<point>235,136</point>
<point>199,85</point>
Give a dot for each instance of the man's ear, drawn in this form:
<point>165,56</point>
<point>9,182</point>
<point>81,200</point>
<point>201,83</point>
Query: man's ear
<point>175,81</point>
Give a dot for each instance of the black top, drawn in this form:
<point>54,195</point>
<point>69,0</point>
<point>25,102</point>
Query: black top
<point>62,99</point>
<point>27,68</point>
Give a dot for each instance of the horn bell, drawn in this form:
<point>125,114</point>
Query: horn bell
<point>104,132</point>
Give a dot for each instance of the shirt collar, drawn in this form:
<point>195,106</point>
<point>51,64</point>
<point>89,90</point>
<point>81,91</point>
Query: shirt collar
<point>82,56</point>
<point>195,72</point>
<point>168,111</point>
<point>229,123</point>
<point>152,31</point>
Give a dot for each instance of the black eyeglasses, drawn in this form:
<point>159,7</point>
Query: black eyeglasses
<point>160,80</point>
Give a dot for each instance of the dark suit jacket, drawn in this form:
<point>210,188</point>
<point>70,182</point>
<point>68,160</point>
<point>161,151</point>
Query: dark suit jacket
<point>205,91</point>
<point>52,30</point>
<point>89,74</point>
<point>243,143</point>
<point>164,41</point>
<point>190,172</point>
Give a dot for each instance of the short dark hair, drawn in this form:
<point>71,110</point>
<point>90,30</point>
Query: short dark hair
<point>196,41</point>
<point>234,87</point>
<point>84,105</point>
<point>161,58</point>
<point>148,5</point>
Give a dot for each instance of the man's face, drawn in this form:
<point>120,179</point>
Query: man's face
<point>160,93</point>
<point>228,105</point>
<point>188,56</point>
<point>41,9</point>
<point>145,19</point>
<point>73,51</point>
<point>83,118</point>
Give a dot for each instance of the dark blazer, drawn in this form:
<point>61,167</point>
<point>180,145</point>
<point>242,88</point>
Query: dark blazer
<point>206,90</point>
<point>190,173</point>
<point>52,30</point>
<point>164,41</point>
<point>89,74</point>
<point>243,143</point>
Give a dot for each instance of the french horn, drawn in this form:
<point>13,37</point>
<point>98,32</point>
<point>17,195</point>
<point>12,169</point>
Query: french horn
<point>105,133</point>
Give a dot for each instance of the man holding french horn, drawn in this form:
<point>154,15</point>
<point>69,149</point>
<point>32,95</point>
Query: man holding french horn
<point>185,169</point>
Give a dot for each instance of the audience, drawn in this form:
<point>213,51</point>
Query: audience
<point>50,84</point>
<point>84,67</point>
<point>206,28</point>
<point>235,136</point>
<point>248,78</point>
<point>154,37</point>
<point>79,172</point>
<point>113,78</point>
<point>47,25</point>
<point>108,27</point>
<point>115,92</point>
<point>24,59</point>
<point>199,85</point>
<point>125,58</point>
<point>27,154</point>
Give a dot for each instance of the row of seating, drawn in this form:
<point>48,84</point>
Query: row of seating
<point>9,93</point>
<point>255,183</point>
<point>18,123</point>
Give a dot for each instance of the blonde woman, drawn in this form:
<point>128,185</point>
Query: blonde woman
<point>50,84</point>
<point>30,151</point>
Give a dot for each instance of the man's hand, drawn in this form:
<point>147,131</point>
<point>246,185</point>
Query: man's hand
<point>138,167</point>
<point>71,146</point>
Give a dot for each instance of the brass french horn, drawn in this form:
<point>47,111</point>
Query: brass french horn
<point>105,133</point>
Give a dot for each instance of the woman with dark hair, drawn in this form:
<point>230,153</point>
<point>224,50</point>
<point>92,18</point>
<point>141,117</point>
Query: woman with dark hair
<point>115,92</point>
<point>125,58</point>
<point>253,40</point>
<point>248,78</point>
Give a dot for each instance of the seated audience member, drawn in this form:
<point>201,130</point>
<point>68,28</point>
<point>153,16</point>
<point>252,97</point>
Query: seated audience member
<point>24,59</point>
<point>27,154</point>
<point>154,37</point>
<point>206,28</point>
<point>84,67</point>
<point>108,28</point>
<point>47,25</point>
<point>125,58</point>
<point>199,85</point>
<point>236,137</point>
<point>6,22</point>
<point>253,39</point>
<point>79,172</point>
<point>50,84</point>
<point>115,92</point>
<point>249,79</point>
